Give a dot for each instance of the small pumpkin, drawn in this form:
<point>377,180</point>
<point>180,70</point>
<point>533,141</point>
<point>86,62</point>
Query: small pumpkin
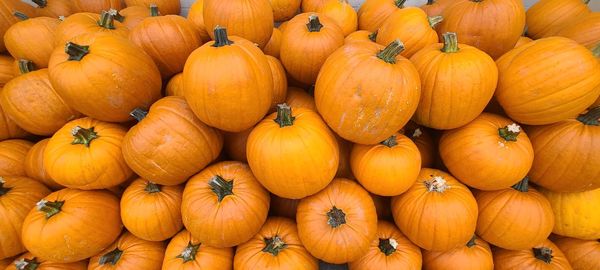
<point>32,39</point>
<point>373,13</point>
<point>423,139</point>
<point>196,16</point>
<point>175,86</point>
<point>9,129</point>
<point>129,252</point>
<point>436,7</point>
<point>411,26</point>
<point>12,157</point>
<point>186,252</point>
<point>235,144</point>
<point>284,10</point>
<point>360,36</point>
<point>522,41</point>
<point>342,13</point>
<point>273,47</point>
<point>28,261</point>
<point>54,8</point>
<point>89,23</point>
<point>130,17</point>
<point>581,254</point>
<point>7,18</point>
<point>475,255</point>
<point>573,216</point>
<point>166,7</point>
<point>6,69</point>
<point>97,6</point>
<point>545,256</point>
<point>283,207</point>
<point>299,98</point>
<point>34,165</point>
<point>547,17</point>
<point>585,31</point>
<point>280,84</point>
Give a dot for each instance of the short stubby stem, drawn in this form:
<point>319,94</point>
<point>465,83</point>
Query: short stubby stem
<point>221,38</point>
<point>76,52</point>
<point>336,217</point>
<point>543,254</point>
<point>138,114</point>
<point>284,115</point>
<point>111,258</point>
<point>221,187</point>
<point>434,21</point>
<point>523,185</point>
<point>399,3</point>
<point>314,25</point>
<point>49,208</point>
<point>436,184</point>
<point>3,189</point>
<point>591,118</point>
<point>373,36</point>
<point>27,264</point>
<point>388,246</point>
<point>472,242</point>
<point>83,136</point>
<point>189,253</point>
<point>450,42</point>
<point>510,132</point>
<point>390,142</point>
<point>152,187</point>
<point>274,245</point>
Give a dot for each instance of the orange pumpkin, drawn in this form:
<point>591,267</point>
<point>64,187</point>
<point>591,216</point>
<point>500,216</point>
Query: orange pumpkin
<point>288,135</point>
<point>475,255</point>
<point>273,47</point>
<point>343,215</point>
<point>280,84</point>
<point>547,17</point>
<point>235,144</point>
<point>389,250</point>
<point>12,157</point>
<point>373,13</point>
<point>574,214</point>
<point>436,7</point>
<point>54,8</point>
<point>411,26</point>
<point>130,17</point>
<point>576,81</point>
<point>489,153</point>
<point>97,6</point>
<point>186,252</point>
<point>276,245</point>
<point>166,7</point>
<point>360,36</point>
<point>129,252</point>
<point>457,80</point>
<point>283,207</point>
<point>86,154</point>
<point>229,68</point>
<point>7,18</point>
<point>70,225</point>
<point>522,41</point>
<point>32,39</point>
<point>298,98</point>
<point>175,86</point>
<point>358,82</point>
<point>312,5</point>
<point>34,165</point>
<point>424,141</point>
<point>437,213</point>
<point>585,31</point>
<point>89,23</point>
<point>342,13</point>
<point>284,10</point>
<point>6,69</point>
<point>582,254</point>
<point>8,128</point>
<point>17,196</point>
<point>29,261</point>
<point>196,16</point>
<point>545,256</point>
<point>221,194</point>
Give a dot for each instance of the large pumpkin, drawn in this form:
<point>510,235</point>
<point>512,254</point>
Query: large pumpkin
<point>437,213</point>
<point>284,10</point>
<point>544,256</point>
<point>283,207</point>
<point>475,255</point>
<point>225,70</point>
<point>547,17</point>
<point>196,16</point>
<point>342,13</point>
<point>585,31</point>
<point>32,39</point>
<point>294,145</point>
<point>170,127</point>
<point>54,8</point>
<point>366,93</point>
<point>574,214</point>
<point>280,84</point>
<point>273,47</point>
<point>342,215</point>
<point>457,80</point>
<point>70,225</point>
<point>86,154</point>
<point>224,193</point>
<point>166,7</point>
<point>373,13</point>
<point>185,252</point>
<point>582,254</point>
<point>489,153</point>
<point>97,6</point>
<point>129,252</point>
<point>535,98</point>
<point>12,157</point>
<point>132,16</point>
<point>28,261</point>
<point>17,196</point>
<point>34,165</point>
<point>7,18</point>
<point>89,23</point>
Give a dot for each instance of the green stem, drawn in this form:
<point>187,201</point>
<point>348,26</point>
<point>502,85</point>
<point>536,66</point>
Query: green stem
<point>399,3</point>
<point>430,2</point>
<point>390,142</point>
<point>189,253</point>
<point>284,115</point>
<point>221,187</point>
<point>107,19</point>
<point>596,51</point>
<point>544,254</point>
<point>40,3</point>
<point>111,257</point>
<point>274,245</point>
<point>523,185</point>
<point>221,37</point>
<point>314,25</point>
<point>373,36</point>
<point>3,190</point>
<point>83,136</point>
<point>152,187</point>
<point>154,10</point>
<point>450,42</point>
<point>387,246</point>
<point>25,66</point>
<point>49,208</point>
<point>472,242</point>
<point>27,264</point>
<point>336,217</point>
<point>76,52</point>
<point>391,51</point>
<point>591,118</point>
<point>510,132</point>
<point>435,20</point>
<point>138,114</point>
<point>20,15</point>
<point>118,17</point>
<point>586,1</point>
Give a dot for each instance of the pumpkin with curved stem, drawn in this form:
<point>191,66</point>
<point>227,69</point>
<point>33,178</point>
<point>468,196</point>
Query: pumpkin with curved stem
<point>28,261</point>
<point>273,47</point>
<point>574,208</point>
<point>70,225</point>
<point>89,23</point>
<point>6,69</point>
<point>342,13</point>
<point>175,86</point>
<point>132,16</point>
<point>17,196</point>
<point>276,243</point>
<point>186,252</point>
<point>544,256</point>
<point>7,18</point>
<point>424,141</point>
<point>585,31</point>
<point>32,39</point>
<point>97,6</point>
<point>547,17</point>
<point>34,165</point>
<point>373,13</point>
<point>129,252</point>
<point>294,145</point>
<point>411,26</point>
<point>475,255</point>
<point>86,154</point>
<point>360,36</point>
<point>343,213</point>
<point>582,254</point>
<point>8,128</point>
<point>437,213</point>
<point>12,157</point>
<point>221,194</point>
<point>489,153</point>
<point>166,7</point>
<point>522,41</point>
<point>389,250</point>
<point>457,81</point>
<point>308,39</point>
<point>436,7</point>
<point>280,84</point>
<point>357,85</point>
<point>54,8</point>
<point>196,16</point>
<point>283,207</point>
<point>284,10</point>
<point>229,68</point>
<point>299,98</point>
<point>249,19</point>
<point>234,144</point>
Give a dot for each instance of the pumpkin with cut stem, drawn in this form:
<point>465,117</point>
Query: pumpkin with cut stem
<point>129,252</point>
<point>544,256</point>
<point>89,23</point>
<point>7,18</point>
<point>187,252</point>
<point>32,39</point>
<point>132,16</point>
<point>546,18</point>
<point>475,255</point>
<point>373,13</point>
<point>342,13</point>
<point>54,8</point>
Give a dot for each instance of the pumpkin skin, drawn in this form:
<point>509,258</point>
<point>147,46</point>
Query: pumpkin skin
<point>88,23</point>
<point>305,49</point>
<point>111,80</point>
<point>342,13</point>
<point>356,81</point>
<point>373,13</point>
<point>7,8</point>
<point>97,6</point>
<point>273,47</point>
<point>298,98</point>
<point>86,154</point>
<point>225,191</point>
<point>458,81</point>
<point>437,213</point>
<point>573,216</point>
<point>389,168</point>
<point>133,16</point>
<point>527,260</point>
<point>547,17</point>
<point>276,245</point>
<point>283,207</point>
<point>360,36</point>
<point>522,41</point>
<point>280,84</point>
<point>28,260</point>
<point>6,69</point>
<point>475,255</point>
<point>424,141</point>
<point>235,144</point>
<point>4,263</point>
<point>584,31</point>
<point>489,153</point>
<point>17,196</point>
<point>166,7</point>
<point>343,213</point>
<point>582,254</point>
<point>576,81</point>
<point>436,7</point>
<point>477,24</point>
<point>12,157</point>
<point>284,10</point>
<point>8,128</point>
<point>54,8</point>
<point>175,86</point>
<point>312,5</point>
<point>185,252</point>
<point>129,252</point>
<point>86,223</point>
<point>196,16</point>
<point>32,39</point>
<point>411,26</point>
<point>229,68</point>
<point>387,254</point>
<point>34,165</point>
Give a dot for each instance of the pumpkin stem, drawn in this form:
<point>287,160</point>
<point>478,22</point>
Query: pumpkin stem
<point>154,10</point>
<point>221,37</point>
<point>399,3</point>
<point>510,132</point>
<point>523,185</point>
<point>83,136</point>
<point>189,253</point>
<point>40,3</point>
<point>476,1</point>
<point>284,115</point>
<point>111,257</point>
<point>118,17</point>
<point>49,208</point>
<point>373,36</point>
<point>543,254</point>
<point>274,245</point>
<point>314,25</point>
<point>390,142</point>
<point>430,2</point>
<point>107,19</point>
<point>221,187</point>
<point>391,51</point>
<point>388,246</point>
<point>437,184</point>
<point>433,21</point>
<point>591,118</point>
<point>336,216</point>
<point>450,42</point>
<point>76,52</point>
<point>27,264</point>
<point>3,190</point>
<point>152,187</point>
<point>471,242</point>
<point>596,51</point>
<point>20,15</point>
<point>586,1</point>
<point>61,18</point>
<point>139,114</point>
<point>25,66</point>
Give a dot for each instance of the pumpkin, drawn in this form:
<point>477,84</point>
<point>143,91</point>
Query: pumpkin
<point>361,35</point>
<point>32,39</point>
<point>221,194</point>
<point>298,98</point>
<point>545,256</point>
<point>274,45</point>
<point>573,216</point>
<point>229,68</point>
<point>8,128</point>
<point>373,13</point>
<point>97,6</point>
<point>17,196</point>
<point>283,207</point>
<point>458,81</point>
<point>437,213</point>
<point>196,16</point>
<point>489,153</point>
<point>284,10</point>
<point>566,154</point>
<point>7,18</point>
<point>6,69</point>
<point>436,7</point>
<point>344,169</point>
<point>175,86</point>
<point>585,31</point>
<point>130,17</point>
<point>104,77</point>
<point>358,82</point>
<point>307,41</point>
<point>411,26</point>
<point>275,246</point>
<point>522,41</point>
<point>493,26</point>
<point>151,211</point>
<point>249,19</point>
<point>86,154</point>
<point>475,255</point>
<point>4,263</point>
<point>166,7</point>
<point>424,141</point>
<point>28,261</point>
<point>235,144</point>
<point>89,23</point>
<point>312,5</point>
<point>547,17</point>
<point>129,252</point>
<point>296,146</point>
<point>576,81</point>
<point>34,165</point>
<point>382,206</point>
<point>388,168</point>
<point>54,8</point>
<point>389,250</point>
<point>280,84</point>
<point>186,252</point>
<point>581,254</point>
<point>342,13</point>
<point>12,157</point>
<point>70,225</point>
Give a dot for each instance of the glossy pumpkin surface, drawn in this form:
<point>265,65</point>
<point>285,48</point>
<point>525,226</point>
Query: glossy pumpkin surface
<point>475,255</point>
<point>89,23</point>
<point>544,256</point>
<point>32,39</point>
<point>411,26</point>
<point>547,17</point>
<point>582,254</point>
<point>129,252</point>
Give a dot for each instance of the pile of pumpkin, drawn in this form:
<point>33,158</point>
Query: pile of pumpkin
<point>436,137</point>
